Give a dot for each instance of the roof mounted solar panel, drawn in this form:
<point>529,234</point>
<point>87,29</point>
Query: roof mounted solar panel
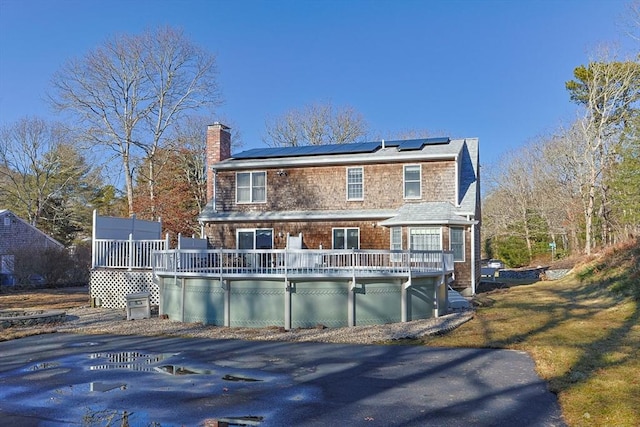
<point>414,144</point>
<point>437,141</point>
<point>392,143</point>
<point>418,144</point>
<point>359,147</point>
<point>249,154</point>
<point>308,150</point>
<point>333,149</point>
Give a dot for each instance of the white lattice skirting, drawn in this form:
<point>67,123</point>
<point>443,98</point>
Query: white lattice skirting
<point>110,287</point>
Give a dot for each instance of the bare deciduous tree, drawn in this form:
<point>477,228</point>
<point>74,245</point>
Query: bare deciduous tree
<point>316,124</point>
<point>26,177</point>
<point>607,91</point>
<point>631,20</point>
<point>513,195</point>
<point>130,90</point>
<point>44,178</point>
<point>560,185</point>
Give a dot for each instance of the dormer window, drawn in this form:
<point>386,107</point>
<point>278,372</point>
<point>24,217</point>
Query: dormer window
<point>251,187</point>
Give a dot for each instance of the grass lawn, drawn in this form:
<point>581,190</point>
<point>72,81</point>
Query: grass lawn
<point>582,331</point>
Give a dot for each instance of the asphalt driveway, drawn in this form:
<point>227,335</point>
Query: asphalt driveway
<point>65,379</point>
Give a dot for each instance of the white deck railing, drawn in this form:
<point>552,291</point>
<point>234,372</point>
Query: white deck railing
<point>305,262</point>
<point>129,254</point>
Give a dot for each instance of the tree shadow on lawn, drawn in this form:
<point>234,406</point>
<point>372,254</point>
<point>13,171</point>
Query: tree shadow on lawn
<point>592,333</point>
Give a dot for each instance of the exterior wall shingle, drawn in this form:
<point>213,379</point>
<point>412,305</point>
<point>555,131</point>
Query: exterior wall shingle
<point>324,188</point>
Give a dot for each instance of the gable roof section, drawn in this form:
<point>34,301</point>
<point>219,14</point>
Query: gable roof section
<point>469,184</point>
<point>7,213</point>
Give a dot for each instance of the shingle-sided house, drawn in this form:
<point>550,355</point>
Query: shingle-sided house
<point>16,235</point>
<point>420,194</point>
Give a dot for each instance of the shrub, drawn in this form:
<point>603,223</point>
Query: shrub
<point>52,266</point>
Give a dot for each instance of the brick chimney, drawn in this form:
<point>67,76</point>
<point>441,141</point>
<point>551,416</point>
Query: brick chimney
<point>218,149</point>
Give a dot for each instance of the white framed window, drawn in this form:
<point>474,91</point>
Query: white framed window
<point>346,238</point>
<point>395,239</point>
<point>456,243</point>
<point>251,187</point>
<point>355,183</point>
<point>425,239</point>
<point>412,181</point>
<point>254,238</point>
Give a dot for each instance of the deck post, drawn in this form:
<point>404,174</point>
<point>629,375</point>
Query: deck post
<point>183,283</point>
<point>220,267</point>
<point>287,305</point>
<point>160,281</point>
<point>404,301</point>
<point>226,285</point>
<point>130,259</point>
<point>94,246</point>
<point>436,301</point>
<point>351,302</point>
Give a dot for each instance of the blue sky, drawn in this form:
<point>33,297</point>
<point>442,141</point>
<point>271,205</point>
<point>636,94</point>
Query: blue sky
<point>488,69</point>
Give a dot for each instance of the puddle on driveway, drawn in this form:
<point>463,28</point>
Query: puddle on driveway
<point>255,361</point>
<point>149,389</point>
<point>108,417</point>
<point>182,370</point>
<point>251,420</point>
<point>129,360</point>
<point>104,387</point>
<point>239,379</point>
<point>44,365</point>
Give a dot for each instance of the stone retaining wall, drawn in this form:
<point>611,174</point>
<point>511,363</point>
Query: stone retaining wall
<point>528,274</point>
<point>540,273</point>
<point>10,318</point>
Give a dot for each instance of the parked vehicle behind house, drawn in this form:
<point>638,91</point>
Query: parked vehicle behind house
<point>495,263</point>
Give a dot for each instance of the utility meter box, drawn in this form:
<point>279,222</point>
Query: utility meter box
<point>138,306</point>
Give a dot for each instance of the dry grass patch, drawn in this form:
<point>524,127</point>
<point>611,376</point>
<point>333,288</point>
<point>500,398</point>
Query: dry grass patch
<point>39,299</point>
<point>44,299</point>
